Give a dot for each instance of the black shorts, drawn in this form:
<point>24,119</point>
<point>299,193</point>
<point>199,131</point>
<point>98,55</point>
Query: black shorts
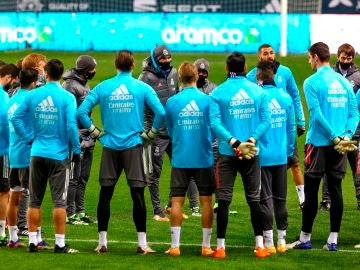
<point>204,179</point>
<point>113,162</point>
<point>19,178</point>
<point>273,182</point>
<point>4,173</point>
<point>42,169</point>
<point>227,168</point>
<point>319,160</point>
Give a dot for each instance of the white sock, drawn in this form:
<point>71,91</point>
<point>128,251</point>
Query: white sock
<point>175,236</point>
<point>206,237</point>
<point>259,241</point>
<point>38,235</point>
<point>281,237</point>
<point>333,238</point>
<point>2,228</point>
<point>32,238</point>
<point>220,243</point>
<point>60,240</point>
<point>268,237</point>
<point>13,233</point>
<point>142,239</point>
<point>103,238</point>
<point>304,237</point>
<point>300,192</point>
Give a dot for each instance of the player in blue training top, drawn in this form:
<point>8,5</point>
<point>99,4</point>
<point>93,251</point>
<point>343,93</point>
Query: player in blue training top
<point>52,111</point>
<point>277,145</point>
<point>19,156</point>
<point>239,117</point>
<point>284,80</point>
<point>188,124</point>
<point>8,75</point>
<point>122,100</point>
<point>333,117</point>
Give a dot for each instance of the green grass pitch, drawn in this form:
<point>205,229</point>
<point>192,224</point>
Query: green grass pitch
<point>122,235</point>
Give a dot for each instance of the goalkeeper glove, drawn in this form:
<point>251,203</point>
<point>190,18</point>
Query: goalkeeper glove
<point>149,136</point>
<point>242,150</point>
<point>344,145</point>
<point>95,132</point>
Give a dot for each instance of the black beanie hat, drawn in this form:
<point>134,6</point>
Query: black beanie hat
<point>84,63</point>
<point>160,52</point>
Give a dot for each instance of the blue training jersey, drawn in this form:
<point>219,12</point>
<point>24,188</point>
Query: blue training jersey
<point>239,109</point>
<point>188,123</point>
<point>122,100</point>
<point>278,142</point>
<point>4,126</point>
<point>52,111</point>
<point>332,107</point>
<point>19,152</point>
<point>285,80</point>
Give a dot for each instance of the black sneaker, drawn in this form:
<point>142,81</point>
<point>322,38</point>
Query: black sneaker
<point>33,247</point>
<point>64,249</point>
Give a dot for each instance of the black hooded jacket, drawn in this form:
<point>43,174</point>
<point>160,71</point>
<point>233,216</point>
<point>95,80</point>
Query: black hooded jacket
<point>165,84</point>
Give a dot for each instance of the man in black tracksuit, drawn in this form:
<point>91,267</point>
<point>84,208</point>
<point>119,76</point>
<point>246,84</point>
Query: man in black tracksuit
<point>76,82</point>
<point>163,78</point>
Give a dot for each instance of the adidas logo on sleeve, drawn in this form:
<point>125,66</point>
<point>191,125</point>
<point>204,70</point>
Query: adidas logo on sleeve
<point>46,105</point>
<point>191,109</point>
<point>241,98</point>
<point>121,93</point>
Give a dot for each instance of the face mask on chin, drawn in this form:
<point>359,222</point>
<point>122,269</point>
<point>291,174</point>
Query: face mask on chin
<point>345,66</point>
<point>89,75</point>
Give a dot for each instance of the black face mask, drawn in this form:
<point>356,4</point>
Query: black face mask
<point>89,75</point>
<point>165,65</point>
<point>345,66</point>
<point>201,81</point>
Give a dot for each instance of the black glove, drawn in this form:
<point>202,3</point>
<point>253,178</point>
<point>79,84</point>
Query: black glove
<point>300,130</point>
<point>75,158</point>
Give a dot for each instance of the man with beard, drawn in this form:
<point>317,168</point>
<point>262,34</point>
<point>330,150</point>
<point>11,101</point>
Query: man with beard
<point>284,80</point>
<point>76,82</point>
<point>8,75</point>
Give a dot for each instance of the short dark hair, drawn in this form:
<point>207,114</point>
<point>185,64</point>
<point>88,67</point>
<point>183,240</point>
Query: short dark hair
<point>265,45</point>
<point>124,60</point>
<point>266,69</point>
<point>54,68</point>
<point>321,50</point>
<point>27,76</point>
<point>346,49</point>
<point>235,63</point>
<point>9,69</point>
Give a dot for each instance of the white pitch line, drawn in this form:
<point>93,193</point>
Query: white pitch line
<point>193,244</point>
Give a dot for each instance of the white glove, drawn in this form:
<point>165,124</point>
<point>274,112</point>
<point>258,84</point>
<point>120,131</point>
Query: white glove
<point>242,150</point>
<point>149,136</point>
<point>95,132</point>
<point>344,145</point>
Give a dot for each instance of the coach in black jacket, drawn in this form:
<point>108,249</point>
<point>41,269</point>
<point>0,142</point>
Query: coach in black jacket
<point>75,81</point>
<point>163,78</point>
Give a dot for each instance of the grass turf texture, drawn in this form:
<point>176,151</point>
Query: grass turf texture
<point>240,241</point>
